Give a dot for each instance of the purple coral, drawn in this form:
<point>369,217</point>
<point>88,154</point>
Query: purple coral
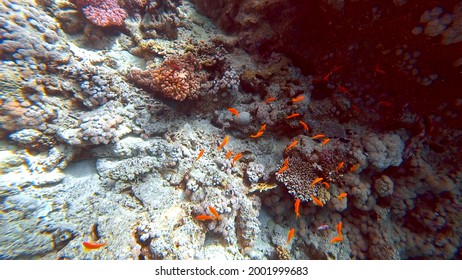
<point>102,12</point>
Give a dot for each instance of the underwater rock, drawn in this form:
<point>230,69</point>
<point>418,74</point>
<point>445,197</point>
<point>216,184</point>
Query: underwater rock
<point>26,136</point>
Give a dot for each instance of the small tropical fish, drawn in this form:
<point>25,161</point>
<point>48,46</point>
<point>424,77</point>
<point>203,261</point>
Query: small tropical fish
<point>325,141</point>
<point>297,206</point>
<point>293,144</point>
<point>294,115</point>
<point>305,126</point>
<point>259,134</point>
<point>284,166</point>
<point>357,109</point>
<point>214,212</point>
<point>378,70</point>
<point>385,104</point>
<point>236,158</point>
<point>354,167</point>
<point>91,245</point>
<point>316,201</point>
<point>336,239</point>
<point>229,153</point>
<point>342,196</point>
<point>298,98</point>
<point>317,180</point>
<point>343,90</point>
<point>339,228</point>
<point>200,154</point>
<point>234,111</point>
<point>340,165</point>
<point>271,99</point>
<point>322,227</point>
<point>290,235</point>
<point>262,128</point>
<point>326,185</point>
<point>326,77</point>
<point>205,217</point>
<point>336,68</point>
<point>225,141</point>
<point>317,136</point>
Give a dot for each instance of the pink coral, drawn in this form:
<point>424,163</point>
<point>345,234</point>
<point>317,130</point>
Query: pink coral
<point>177,78</point>
<point>102,12</point>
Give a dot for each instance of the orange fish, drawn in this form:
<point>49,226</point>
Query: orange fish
<point>271,99</point>
<point>326,185</point>
<point>284,166</point>
<point>297,206</point>
<point>385,104</point>
<point>214,212</point>
<point>229,153</point>
<point>343,90</point>
<point>225,141</point>
<point>316,201</point>
<point>339,228</point>
<point>236,158</point>
<point>91,245</point>
<point>378,70</point>
<point>298,98</point>
<point>205,217</point>
<point>340,165</point>
<point>336,68</point>
<point>259,134</point>
<point>293,144</point>
<point>293,116</point>
<point>342,196</point>
<point>325,141</point>
<point>354,167</point>
<point>234,111</point>
<point>305,126</point>
<point>336,239</point>
<point>262,128</point>
<point>317,180</point>
<point>200,154</point>
<point>357,109</point>
<point>317,136</point>
<point>326,77</point>
<point>290,235</point>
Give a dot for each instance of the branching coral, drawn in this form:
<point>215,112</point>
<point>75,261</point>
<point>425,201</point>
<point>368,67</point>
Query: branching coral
<point>177,78</point>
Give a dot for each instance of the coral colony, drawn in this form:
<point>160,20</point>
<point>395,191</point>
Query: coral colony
<point>144,129</point>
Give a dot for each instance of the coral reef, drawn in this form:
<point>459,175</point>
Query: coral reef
<point>138,125</point>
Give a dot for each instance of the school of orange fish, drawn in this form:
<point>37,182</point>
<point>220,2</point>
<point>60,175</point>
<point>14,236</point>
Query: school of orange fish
<point>316,201</point>
<point>324,141</point>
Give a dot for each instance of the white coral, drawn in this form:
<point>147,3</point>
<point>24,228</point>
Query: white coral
<point>384,150</point>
